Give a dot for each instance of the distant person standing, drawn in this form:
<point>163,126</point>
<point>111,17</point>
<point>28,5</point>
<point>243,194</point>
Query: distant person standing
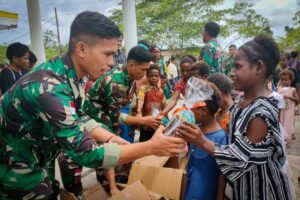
<point>18,56</point>
<point>172,72</point>
<point>229,61</point>
<point>212,52</point>
<point>120,57</point>
<point>32,60</point>
<point>163,81</point>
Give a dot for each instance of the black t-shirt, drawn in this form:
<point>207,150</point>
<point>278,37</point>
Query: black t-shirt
<point>8,77</point>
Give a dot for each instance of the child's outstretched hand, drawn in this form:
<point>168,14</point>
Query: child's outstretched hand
<point>191,133</point>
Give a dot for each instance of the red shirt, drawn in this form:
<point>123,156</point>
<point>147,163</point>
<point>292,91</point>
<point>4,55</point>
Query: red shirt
<point>180,86</point>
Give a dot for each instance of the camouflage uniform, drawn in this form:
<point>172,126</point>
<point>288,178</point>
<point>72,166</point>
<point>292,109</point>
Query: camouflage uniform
<point>212,54</point>
<point>104,101</point>
<point>228,65</point>
<point>40,117</point>
<point>107,96</point>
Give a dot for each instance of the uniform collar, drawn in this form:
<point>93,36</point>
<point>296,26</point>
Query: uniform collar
<point>76,84</point>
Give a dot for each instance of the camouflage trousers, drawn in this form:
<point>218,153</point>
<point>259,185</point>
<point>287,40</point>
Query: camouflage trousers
<point>28,185</point>
<point>72,172</point>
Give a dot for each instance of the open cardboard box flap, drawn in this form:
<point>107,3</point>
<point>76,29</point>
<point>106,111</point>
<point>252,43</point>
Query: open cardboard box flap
<point>134,191</point>
<point>153,161</point>
<point>165,180</point>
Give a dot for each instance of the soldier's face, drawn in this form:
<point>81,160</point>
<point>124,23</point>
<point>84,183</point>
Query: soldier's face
<point>98,58</point>
<point>137,71</point>
<point>232,51</point>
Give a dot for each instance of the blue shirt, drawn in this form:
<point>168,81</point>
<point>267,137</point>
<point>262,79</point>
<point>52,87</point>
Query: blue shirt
<point>203,172</point>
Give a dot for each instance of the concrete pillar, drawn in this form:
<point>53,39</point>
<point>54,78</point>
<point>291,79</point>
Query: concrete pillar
<point>35,26</point>
<point>129,19</point>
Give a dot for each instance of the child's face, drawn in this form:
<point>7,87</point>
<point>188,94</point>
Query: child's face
<point>198,112</point>
<point>153,77</point>
<point>244,73</point>
<point>185,70</point>
<point>285,80</point>
<point>283,62</point>
<point>156,53</point>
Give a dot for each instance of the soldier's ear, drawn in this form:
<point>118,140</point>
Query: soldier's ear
<point>80,49</point>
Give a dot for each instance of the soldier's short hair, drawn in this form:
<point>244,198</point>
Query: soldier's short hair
<point>139,54</point>
<point>212,29</point>
<point>89,25</point>
<point>16,49</point>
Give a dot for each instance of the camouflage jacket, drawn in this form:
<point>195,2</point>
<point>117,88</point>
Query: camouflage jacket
<point>107,96</point>
<point>212,54</point>
<point>39,117</point>
<point>229,65</point>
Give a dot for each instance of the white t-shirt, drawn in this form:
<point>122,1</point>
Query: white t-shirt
<point>279,98</point>
<point>172,70</point>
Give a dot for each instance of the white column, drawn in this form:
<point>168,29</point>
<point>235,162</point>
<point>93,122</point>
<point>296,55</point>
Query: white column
<point>35,26</point>
<point>129,19</point>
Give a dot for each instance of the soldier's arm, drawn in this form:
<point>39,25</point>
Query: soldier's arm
<point>115,96</point>
<point>207,55</point>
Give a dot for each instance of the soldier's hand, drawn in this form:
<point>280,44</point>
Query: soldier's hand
<point>167,146</point>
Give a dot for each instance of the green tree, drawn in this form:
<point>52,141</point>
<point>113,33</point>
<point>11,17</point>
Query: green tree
<point>3,58</point>
<point>178,24</point>
<point>50,44</point>
<point>291,38</point>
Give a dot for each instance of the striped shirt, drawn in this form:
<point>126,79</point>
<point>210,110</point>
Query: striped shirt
<point>254,169</point>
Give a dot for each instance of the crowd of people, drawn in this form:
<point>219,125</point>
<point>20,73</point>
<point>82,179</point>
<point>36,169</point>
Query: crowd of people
<point>86,107</point>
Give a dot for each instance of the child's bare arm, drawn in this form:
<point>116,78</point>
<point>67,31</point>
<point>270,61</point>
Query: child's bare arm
<point>110,176</point>
<point>295,97</point>
<point>139,107</point>
<point>221,187</point>
<point>171,103</point>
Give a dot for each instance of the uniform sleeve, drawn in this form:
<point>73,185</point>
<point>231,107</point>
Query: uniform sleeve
<point>239,157</point>
<point>207,55</point>
<point>6,80</point>
<point>93,105</point>
<point>116,93</point>
<point>58,113</point>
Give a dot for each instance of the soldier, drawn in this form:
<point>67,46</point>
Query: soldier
<point>115,89</point>
<point>40,116</point>
<point>212,53</point>
<point>104,103</point>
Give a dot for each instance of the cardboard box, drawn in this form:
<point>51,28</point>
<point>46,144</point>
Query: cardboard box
<point>135,191</point>
<point>167,180</point>
<point>96,192</point>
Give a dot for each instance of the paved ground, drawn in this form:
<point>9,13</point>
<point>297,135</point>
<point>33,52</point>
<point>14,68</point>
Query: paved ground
<point>293,152</point>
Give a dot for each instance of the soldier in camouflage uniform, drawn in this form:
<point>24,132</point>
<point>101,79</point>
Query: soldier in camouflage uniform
<point>104,101</point>
<point>229,63</point>
<point>114,90</point>
<point>40,116</point>
<point>212,53</point>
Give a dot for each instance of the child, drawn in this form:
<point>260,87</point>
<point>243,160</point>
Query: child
<point>204,180</point>
<point>185,66</point>
<point>253,160</point>
<point>223,83</point>
<point>200,69</point>
<point>287,116</point>
<point>151,100</point>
